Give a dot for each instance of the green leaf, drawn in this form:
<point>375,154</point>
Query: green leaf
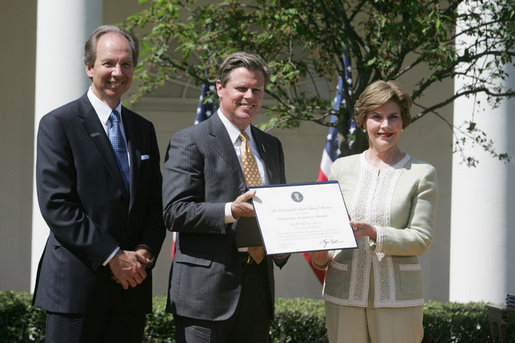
<point>303,41</point>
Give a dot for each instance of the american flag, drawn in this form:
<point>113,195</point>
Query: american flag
<point>331,150</point>
<point>207,105</point>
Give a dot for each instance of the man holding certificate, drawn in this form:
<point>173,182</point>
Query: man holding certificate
<point>220,291</point>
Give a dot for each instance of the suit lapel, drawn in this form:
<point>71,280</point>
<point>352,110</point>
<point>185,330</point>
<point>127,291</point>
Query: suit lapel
<point>98,137</point>
<point>134,153</point>
<point>220,140</point>
<point>265,152</point>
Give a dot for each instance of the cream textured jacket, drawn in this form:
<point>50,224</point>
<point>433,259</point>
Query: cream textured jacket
<point>400,202</point>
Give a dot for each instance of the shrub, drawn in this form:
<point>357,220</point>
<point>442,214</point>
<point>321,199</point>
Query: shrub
<point>160,326</point>
<point>299,320</point>
<point>456,322</point>
<point>19,320</point>
<point>296,321</point>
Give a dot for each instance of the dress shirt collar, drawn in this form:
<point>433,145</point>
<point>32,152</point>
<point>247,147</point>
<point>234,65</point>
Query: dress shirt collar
<point>234,134</point>
<point>101,108</point>
<point>233,130</point>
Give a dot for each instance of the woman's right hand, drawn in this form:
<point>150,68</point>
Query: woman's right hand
<point>320,257</point>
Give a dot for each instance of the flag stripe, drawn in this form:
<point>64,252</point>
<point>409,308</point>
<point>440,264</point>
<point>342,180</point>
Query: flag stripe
<point>331,149</point>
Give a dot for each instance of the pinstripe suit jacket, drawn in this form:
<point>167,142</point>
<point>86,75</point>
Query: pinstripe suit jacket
<point>202,173</point>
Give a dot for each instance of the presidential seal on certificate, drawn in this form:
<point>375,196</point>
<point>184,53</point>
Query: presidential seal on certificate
<point>303,217</point>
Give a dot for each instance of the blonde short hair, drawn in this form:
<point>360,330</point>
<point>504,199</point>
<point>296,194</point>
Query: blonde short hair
<point>245,60</point>
<point>377,94</point>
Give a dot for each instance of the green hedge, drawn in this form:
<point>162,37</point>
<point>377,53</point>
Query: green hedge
<point>19,320</point>
<point>297,320</point>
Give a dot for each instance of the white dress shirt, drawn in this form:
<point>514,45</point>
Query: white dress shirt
<point>234,134</point>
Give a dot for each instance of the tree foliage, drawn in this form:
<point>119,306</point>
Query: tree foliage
<point>303,42</point>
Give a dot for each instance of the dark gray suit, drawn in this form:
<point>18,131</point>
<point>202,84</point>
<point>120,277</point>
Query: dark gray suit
<point>201,174</point>
<point>88,210</point>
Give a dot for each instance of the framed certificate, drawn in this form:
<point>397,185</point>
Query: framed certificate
<point>303,217</point>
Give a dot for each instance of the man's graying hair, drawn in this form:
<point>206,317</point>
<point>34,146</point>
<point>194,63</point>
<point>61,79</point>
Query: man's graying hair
<point>245,60</point>
<point>90,49</point>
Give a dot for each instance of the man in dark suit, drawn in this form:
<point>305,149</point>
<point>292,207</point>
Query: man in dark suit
<point>99,190</point>
<point>218,291</point>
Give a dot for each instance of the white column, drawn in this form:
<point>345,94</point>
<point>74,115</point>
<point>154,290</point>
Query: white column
<point>482,258</point>
<point>62,29</point>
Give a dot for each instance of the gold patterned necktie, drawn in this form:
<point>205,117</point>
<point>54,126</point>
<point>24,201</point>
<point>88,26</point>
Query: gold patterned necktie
<point>252,178</point>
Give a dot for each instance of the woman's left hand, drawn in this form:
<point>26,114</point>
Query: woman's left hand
<point>363,229</point>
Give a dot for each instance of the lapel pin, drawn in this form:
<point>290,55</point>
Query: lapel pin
<point>94,134</point>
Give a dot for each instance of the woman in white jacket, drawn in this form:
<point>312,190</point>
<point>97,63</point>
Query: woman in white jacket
<point>375,293</point>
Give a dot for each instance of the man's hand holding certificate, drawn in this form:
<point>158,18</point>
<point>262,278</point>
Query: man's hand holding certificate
<point>303,217</point>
